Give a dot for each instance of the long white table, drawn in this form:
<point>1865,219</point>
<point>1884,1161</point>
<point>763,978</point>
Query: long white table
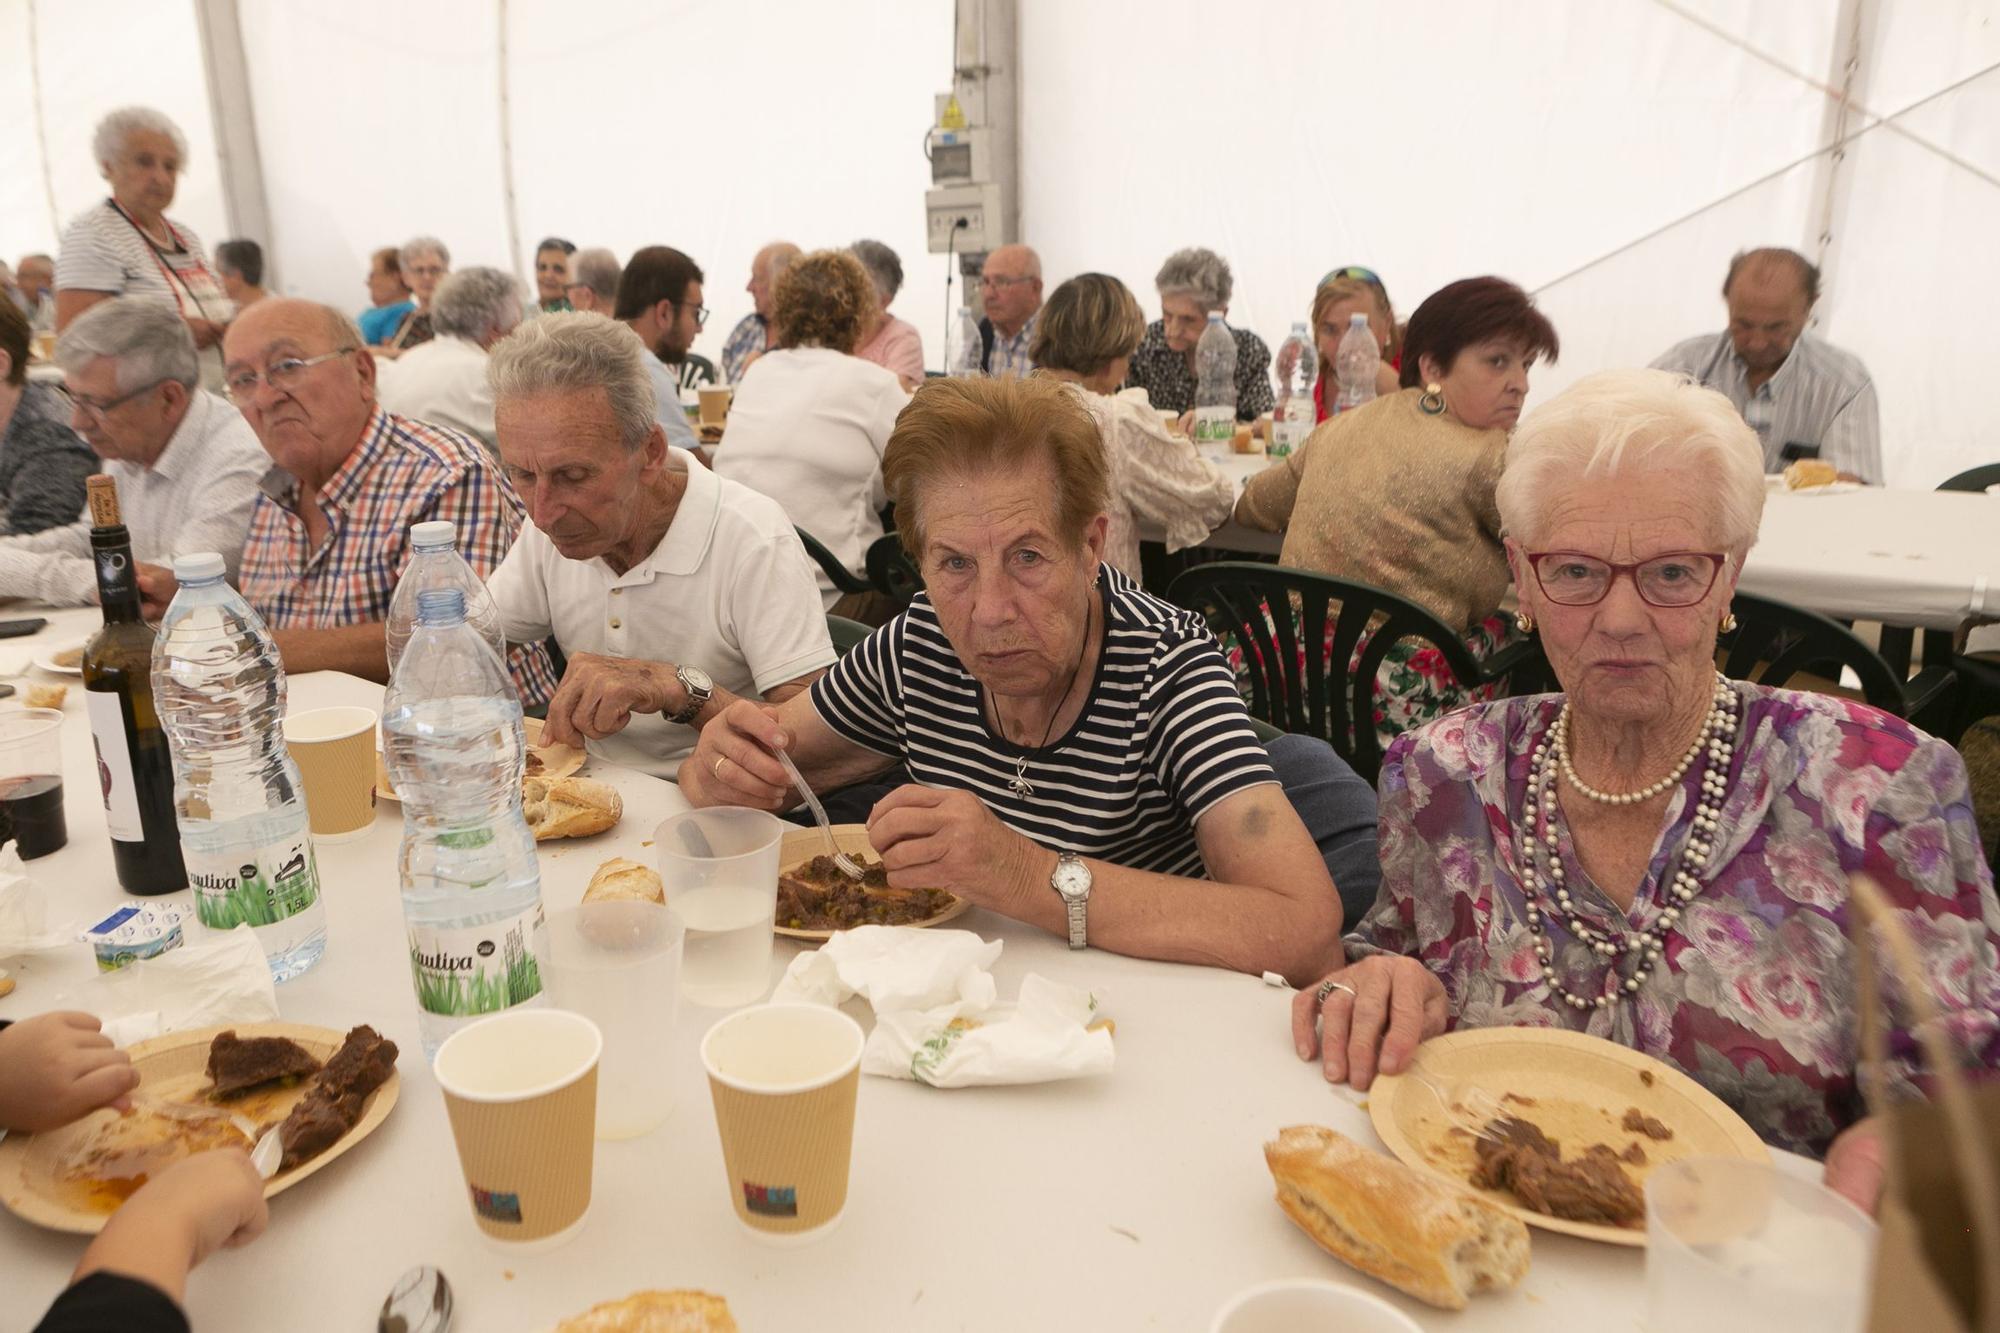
<point>1923,558</point>
<point>1137,1200</point>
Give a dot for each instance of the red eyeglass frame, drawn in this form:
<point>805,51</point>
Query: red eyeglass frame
<point>1630,571</point>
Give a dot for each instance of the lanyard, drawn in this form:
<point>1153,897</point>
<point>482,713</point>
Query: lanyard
<point>168,271</point>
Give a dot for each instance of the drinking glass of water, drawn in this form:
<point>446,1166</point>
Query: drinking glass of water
<point>720,868</point>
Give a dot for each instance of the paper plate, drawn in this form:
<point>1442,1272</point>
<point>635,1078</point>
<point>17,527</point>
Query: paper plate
<point>1577,1088</point>
<point>47,660</point>
<point>802,845</point>
<point>171,1069</point>
<point>558,761</point>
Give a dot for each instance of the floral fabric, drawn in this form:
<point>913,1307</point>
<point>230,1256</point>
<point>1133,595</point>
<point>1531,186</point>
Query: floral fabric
<point>1755,995</point>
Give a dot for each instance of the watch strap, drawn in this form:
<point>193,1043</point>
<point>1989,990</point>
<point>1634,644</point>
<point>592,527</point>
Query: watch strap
<point>1077,931</point>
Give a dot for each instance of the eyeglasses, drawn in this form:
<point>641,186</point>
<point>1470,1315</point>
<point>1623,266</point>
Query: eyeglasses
<point>700,313</point>
<point>1001,280</point>
<point>99,408</point>
<point>1678,578</point>
<point>242,385</point>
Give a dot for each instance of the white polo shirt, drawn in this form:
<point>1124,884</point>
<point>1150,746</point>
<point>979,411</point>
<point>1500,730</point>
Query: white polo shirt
<point>728,589</point>
<point>442,381</point>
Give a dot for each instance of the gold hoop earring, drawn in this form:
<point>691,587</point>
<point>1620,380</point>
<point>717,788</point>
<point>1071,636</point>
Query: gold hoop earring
<point>1728,625</point>
<point>1432,402</point>
<point>1524,622</point>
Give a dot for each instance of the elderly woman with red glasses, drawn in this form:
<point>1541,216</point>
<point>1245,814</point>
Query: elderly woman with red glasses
<point>1657,855</point>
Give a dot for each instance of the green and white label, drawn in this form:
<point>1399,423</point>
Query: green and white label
<point>463,970</point>
<point>258,888</point>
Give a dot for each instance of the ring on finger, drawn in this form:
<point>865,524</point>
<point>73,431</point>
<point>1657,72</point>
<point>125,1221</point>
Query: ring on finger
<point>720,760</point>
<point>1328,987</point>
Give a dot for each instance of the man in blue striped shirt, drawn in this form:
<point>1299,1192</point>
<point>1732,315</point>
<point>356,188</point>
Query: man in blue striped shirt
<point>1804,398</point>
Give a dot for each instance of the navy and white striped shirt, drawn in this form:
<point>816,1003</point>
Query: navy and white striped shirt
<point>1162,736</point>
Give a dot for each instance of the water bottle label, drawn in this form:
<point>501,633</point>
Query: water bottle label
<point>465,970</point>
<point>253,886</point>
<point>1214,425</point>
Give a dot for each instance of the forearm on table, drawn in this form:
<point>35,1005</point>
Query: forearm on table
<point>159,1254</point>
<point>359,650</point>
<point>47,576</point>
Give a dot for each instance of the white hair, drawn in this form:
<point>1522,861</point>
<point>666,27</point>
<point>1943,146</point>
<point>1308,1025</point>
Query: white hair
<point>147,341</point>
<point>1201,274</point>
<point>574,352</point>
<point>885,270</point>
<point>1629,421</point>
<point>598,269</point>
<point>109,140</point>
<point>423,245</point>
<point>474,302</point>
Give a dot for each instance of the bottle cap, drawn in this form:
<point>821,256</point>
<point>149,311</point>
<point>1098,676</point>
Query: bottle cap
<point>198,565</point>
<point>1357,320</point>
<point>437,532</point>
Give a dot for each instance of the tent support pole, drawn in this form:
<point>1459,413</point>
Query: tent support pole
<point>231,110</point>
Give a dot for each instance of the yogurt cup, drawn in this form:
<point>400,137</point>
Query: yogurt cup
<point>133,932</point>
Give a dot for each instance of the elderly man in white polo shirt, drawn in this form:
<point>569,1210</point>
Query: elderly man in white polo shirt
<point>671,591</point>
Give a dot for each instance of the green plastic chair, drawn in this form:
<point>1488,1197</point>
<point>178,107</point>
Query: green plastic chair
<point>843,578</point>
<point>846,633</point>
<point>1774,642</point>
<point>891,571</point>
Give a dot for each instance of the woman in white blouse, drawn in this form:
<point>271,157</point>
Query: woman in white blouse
<point>810,420</point>
<point>1085,337</point>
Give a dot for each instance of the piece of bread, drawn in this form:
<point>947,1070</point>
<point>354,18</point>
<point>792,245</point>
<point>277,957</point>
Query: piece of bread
<point>655,1312</point>
<point>621,880</point>
<point>46,696</point>
<point>1806,473</point>
<point>569,807</point>
<point>1438,1242</point>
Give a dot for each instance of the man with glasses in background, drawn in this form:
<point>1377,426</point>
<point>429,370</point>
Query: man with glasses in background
<point>1010,289</point>
<point>330,531</point>
<point>659,298</point>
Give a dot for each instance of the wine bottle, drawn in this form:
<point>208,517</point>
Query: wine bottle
<point>134,766</point>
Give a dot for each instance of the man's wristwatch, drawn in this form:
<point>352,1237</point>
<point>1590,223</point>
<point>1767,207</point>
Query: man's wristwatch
<point>1071,881</point>
<point>700,689</point>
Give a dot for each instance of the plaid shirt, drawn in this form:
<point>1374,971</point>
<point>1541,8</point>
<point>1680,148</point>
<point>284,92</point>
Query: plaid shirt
<point>745,341</point>
<point>403,472</point>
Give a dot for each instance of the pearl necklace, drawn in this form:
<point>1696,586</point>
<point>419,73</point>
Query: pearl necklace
<point>1647,947</point>
<point>1560,736</point>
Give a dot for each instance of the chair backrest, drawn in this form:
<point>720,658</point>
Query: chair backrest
<point>842,577</point>
<point>1973,479</point>
<point>845,633</point>
<point>696,370</point>
<point>891,570</point>
<point>1299,681</point>
<point>1775,641</point>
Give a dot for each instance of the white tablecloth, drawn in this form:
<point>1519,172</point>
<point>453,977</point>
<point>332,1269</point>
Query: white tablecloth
<point>1137,1200</point>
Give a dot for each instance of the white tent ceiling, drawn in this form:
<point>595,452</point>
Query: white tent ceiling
<point>1611,154</point>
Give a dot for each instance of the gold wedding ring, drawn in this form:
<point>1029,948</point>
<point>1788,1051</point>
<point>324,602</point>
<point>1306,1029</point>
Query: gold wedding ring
<point>718,764</point>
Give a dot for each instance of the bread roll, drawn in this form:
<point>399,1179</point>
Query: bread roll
<point>621,880</point>
<point>46,696</point>
<point>1429,1239</point>
<point>655,1312</point>
<point>1806,473</point>
<point>569,807</point>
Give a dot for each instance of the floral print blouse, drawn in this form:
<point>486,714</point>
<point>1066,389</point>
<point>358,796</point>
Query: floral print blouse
<point>1756,995</point>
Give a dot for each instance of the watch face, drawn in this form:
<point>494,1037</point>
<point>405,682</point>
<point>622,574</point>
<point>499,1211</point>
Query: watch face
<point>697,679</point>
<point>1072,878</point>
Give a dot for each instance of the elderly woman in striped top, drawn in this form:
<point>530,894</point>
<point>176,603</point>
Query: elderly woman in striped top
<point>1079,756</point>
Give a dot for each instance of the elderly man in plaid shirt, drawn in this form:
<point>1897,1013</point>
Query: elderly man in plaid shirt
<point>330,532</point>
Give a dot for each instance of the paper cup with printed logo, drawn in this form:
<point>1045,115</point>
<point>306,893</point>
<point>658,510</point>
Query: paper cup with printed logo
<point>783,1078</point>
<point>335,752</point>
<point>521,1090</point>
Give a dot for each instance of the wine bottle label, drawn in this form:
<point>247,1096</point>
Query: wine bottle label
<point>462,970</point>
<point>115,575</point>
<point>258,886</point>
<point>114,765</point>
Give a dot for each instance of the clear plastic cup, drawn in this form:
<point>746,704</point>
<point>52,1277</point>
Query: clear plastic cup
<point>31,787</point>
<point>1742,1247</point>
<point>619,965</point>
<point>1308,1305</point>
<point>720,869</point>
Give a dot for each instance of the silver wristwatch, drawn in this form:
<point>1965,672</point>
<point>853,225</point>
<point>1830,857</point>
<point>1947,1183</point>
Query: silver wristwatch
<point>1071,881</point>
<point>700,689</point>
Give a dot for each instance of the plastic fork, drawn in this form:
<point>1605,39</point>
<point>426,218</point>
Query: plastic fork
<point>848,865</point>
<point>1472,1109</point>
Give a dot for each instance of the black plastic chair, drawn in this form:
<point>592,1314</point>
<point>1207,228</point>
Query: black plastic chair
<point>695,371</point>
<point>1322,699</point>
<point>891,571</point>
<point>846,633</point>
<point>1899,642</point>
<point>1773,642</point>
<point>844,579</point>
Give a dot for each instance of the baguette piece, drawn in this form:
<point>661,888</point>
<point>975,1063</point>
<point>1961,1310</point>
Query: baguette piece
<point>569,807</point>
<point>619,879</point>
<point>1429,1239</point>
<point>1806,473</point>
<point>655,1312</point>
<point>46,696</point>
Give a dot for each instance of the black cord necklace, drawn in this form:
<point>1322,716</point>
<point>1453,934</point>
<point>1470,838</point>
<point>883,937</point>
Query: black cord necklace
<point>1020,785</point>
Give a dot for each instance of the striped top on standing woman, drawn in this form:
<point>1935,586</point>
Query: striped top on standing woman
<point>1162,736</point>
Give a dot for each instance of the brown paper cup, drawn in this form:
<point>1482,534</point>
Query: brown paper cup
<point>521,1091</point>
<point>715,400</point>
<point>783,1078</point>
<point>335,751</point>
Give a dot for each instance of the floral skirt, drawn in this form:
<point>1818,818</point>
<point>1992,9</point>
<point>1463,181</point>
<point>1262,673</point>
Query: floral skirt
<point>1414,684</point>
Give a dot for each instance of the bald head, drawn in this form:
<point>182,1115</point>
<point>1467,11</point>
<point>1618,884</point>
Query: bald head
<point>311,416</point>
<point>1770,295</point>
<point>1010,285</point>
<point>764,270</point>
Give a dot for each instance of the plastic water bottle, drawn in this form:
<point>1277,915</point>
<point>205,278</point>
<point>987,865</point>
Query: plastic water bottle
<point>1215,385</point>
<point>966,365</point>
<point>1298,368</point>
<point>1355,362</point>
<point>436,563</point>
<point>472,891</point>
<point>220,691</point>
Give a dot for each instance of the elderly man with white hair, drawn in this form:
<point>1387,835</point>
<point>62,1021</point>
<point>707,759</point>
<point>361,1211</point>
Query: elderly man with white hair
<point>593,280</point>
<point>671,592</point>
<point>185,461</point>
<point>753,334</point>
<point>444,380</point>
<point>1010,290</point>
<point>1194,284</point>
<point>128,246</point>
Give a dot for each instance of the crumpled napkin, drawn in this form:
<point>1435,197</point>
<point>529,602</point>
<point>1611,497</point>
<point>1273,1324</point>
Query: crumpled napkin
<point>222,979</point>
<point>24,912</point>
<point>937,1019</point>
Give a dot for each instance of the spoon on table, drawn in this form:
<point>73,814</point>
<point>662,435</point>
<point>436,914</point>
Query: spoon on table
<point>848,866</point>
<point>420,1302</point>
